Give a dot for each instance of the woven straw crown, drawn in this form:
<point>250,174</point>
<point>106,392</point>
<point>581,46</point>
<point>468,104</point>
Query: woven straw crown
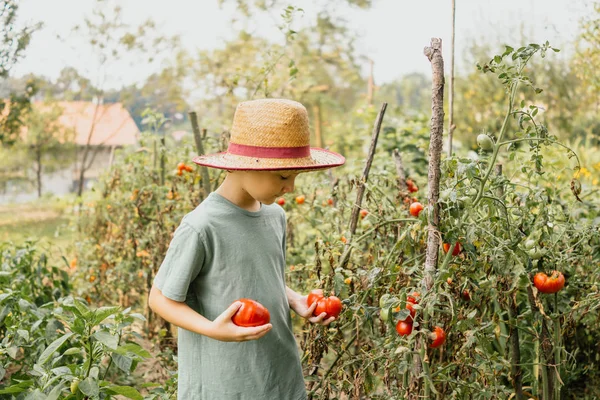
<point>271,134</point>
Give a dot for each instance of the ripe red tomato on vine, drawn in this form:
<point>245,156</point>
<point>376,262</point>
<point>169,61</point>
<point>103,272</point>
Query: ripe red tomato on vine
<point>549,284</point>
<point>415,209</point>
<point>455,251</point>
<point>404,328</point>
<point>438,337</point>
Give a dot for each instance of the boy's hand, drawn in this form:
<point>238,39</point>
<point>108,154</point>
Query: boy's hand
<point>300,306</point>
<point>225,330</point>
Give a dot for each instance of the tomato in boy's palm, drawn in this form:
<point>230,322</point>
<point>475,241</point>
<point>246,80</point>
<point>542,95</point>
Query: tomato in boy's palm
<point>251,313</point>
<point>314,295</point>
<point>331,305</point>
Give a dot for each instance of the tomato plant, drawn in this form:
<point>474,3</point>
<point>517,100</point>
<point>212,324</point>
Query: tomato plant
<point>251,313</point>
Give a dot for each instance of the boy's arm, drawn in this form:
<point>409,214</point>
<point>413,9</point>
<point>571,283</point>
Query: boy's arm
<point>298,303</point>
<point>222,328</point>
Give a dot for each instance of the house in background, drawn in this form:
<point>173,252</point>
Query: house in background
<point>105,127</point>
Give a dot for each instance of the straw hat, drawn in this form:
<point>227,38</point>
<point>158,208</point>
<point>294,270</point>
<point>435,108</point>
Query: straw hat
<point>271,134</point>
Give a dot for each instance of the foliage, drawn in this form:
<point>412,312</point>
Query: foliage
<point>58,347</point>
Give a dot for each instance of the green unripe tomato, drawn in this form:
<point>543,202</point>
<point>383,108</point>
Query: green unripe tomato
<point>529,244</point>
<point>383,300</point>
<point>535,253</point>
<point>485,142</point>
<point>384,313</point>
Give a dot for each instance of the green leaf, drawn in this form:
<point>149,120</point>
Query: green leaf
<point>102,313</point>
<point>106,338</point>
<point>18,388</point>
<point>123,362</point>
<point>36,395</point>
<point>127,391</point>
<point>135,349</point>
<point>89,387</point>
<point>49,351</point>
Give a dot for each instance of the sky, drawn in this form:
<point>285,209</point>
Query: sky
<point>392,33</point>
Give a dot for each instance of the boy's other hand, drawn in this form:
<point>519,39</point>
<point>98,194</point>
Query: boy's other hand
<point>225,330</point>
<point>301,308</point>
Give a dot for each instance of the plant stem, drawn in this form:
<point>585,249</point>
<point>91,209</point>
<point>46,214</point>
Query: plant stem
<point>557,348</point>
<point>492,162</point>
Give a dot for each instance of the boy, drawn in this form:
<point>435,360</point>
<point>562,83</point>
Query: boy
<point>232,246</point>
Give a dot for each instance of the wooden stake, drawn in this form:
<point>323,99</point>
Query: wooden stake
<point>205,181</point>
<point>361,187</point>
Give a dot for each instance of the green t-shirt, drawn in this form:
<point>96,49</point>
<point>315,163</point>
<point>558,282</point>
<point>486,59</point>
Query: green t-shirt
<point>221,253</point>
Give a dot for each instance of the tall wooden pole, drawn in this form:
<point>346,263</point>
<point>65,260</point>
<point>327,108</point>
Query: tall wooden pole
<point>451,125</point>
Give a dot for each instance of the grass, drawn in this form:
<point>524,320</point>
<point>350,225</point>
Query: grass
<point>46,221</point>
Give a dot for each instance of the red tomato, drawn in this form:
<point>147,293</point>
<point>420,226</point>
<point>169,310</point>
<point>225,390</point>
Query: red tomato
<point>455,251</point>
<point>330,202</point>
<point>314,295</point>
<point>410,185</point>
<point>181,166</point>
<point>188,168</point>
<point>251,313</point>
<point>549,284</point>
<point>410,307</point>
<point>363,213</point>
<point>438,336</point>
<point>281,201</point>
<point>465,295</point>
<point>413,298</point>
<point>404,328</point>
<point>300,199</point>
<point>332,306</point>
<point>415,209</point>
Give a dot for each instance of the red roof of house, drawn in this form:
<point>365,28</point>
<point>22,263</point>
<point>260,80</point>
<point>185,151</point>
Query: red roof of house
<point>113,124</point>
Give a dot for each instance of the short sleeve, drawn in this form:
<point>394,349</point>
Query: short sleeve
<point>182,263</point>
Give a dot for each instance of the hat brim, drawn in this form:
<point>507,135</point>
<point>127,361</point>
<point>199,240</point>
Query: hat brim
<point>318,159</point>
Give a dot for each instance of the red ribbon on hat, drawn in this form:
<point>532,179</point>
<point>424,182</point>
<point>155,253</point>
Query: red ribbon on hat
<point>268,152</point>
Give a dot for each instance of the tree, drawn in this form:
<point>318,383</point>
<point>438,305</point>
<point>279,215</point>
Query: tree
<point>316,65</point>
<point>13,43</point>
<point>46,141</point>
<point>163,92</point>
<point>110,39</point>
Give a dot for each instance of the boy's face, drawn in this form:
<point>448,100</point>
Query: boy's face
<point>267,186</point>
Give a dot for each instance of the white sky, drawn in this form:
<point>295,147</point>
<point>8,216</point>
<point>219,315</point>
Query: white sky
<point>393,32</point>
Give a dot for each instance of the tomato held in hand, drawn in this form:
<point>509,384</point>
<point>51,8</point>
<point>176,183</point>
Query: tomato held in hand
<point>251,313</point>
<point>438,336</point>
<point>314,295</point>
<point>404,328</point>
<point>415,209</point>
<point>455,251</point>
<point>549,284</point>
<point>331,305</point>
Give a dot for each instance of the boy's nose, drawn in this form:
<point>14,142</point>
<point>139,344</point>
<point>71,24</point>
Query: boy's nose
<point>288,188</point>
